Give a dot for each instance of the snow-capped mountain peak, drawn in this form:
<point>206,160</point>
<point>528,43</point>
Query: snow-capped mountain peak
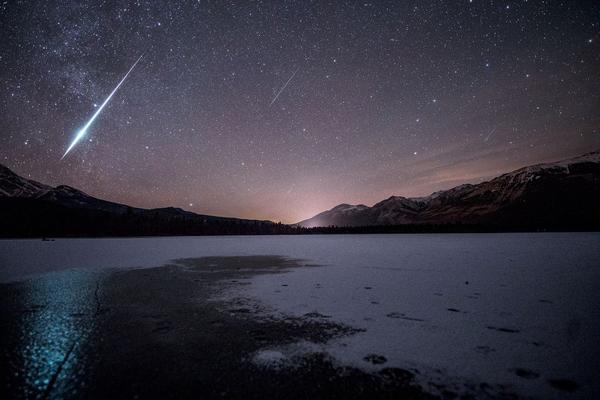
<point>548,193</point>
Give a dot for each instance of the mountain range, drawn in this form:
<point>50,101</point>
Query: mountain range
<point>30,208</point>
<point>552,195</point>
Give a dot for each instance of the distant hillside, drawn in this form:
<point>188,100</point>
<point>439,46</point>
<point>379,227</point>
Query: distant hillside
<point>556,195</point>
<point>29,208</point>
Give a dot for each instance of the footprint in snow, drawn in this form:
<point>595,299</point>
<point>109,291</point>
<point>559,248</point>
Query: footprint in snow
<point>506,330</point>
<point>526,373</point>
<point>484,349</point>
<point>564,385</point>
<point>375,359</point>
<point>403,316</point>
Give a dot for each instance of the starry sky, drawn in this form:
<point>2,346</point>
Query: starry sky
<point>281,109</point>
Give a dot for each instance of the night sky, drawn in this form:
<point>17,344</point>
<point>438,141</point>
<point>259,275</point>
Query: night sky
<point>382,98</point>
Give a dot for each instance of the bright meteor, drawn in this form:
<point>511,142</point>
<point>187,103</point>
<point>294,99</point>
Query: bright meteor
<point>82,132</point>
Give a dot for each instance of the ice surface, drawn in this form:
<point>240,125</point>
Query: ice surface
<point>286,356</point>
<point>505,309</point>
<point>269,358</point>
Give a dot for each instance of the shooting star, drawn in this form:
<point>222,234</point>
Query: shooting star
<point>283,88</point>
<point>489,134</point>
<point>82,132</point>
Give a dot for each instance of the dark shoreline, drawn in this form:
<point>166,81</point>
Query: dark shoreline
<point>31,218</point>
<point>363,230</point>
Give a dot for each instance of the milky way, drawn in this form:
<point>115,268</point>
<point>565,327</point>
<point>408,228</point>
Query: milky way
<point>390,98</point>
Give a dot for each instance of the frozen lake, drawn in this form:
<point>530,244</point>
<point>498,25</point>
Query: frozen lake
<point>520,311</point>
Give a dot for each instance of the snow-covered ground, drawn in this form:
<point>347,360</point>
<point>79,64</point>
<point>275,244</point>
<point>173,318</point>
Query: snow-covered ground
<point>461,308</point>
<point>504,309</point>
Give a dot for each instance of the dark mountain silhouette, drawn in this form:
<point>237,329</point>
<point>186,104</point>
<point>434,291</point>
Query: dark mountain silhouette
<point>545,196</point>
<point>30,208</point>
<point>557,196</point>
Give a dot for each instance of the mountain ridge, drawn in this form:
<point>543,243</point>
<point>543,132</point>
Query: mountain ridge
<point>30,208</point>
<point>505,199</point>
<point>563,195</point>
<point>13,185</point>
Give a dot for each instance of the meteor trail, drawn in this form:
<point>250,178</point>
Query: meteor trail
<point>283,88</point>
<point>83,130</point>
<point>489,134</point>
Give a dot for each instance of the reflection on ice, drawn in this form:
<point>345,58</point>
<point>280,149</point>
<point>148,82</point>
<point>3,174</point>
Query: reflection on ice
<point>57,318</point>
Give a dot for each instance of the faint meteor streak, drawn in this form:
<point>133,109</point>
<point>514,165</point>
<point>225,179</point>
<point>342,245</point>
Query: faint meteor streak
<point>283,88</point>
<point>489,134</point>
<point>82,132</point>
